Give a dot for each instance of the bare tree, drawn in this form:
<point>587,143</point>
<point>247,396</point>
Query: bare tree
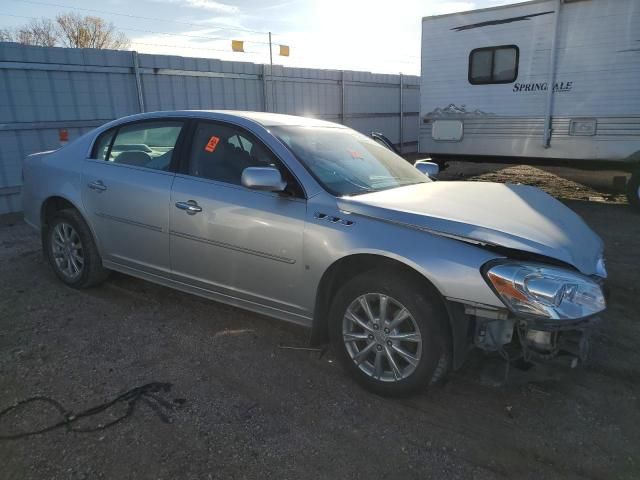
<point>40,32</point>
<point>6,35</point>
<point>68,30</point>
<point>89,32</point>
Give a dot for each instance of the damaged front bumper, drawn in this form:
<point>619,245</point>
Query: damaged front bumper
<point>550,310</point>
<point>545,341</point>
<point>564,342</point>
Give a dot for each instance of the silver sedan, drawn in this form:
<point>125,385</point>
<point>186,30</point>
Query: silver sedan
<point>311,222</point>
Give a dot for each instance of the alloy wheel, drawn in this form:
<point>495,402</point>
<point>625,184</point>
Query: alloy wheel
<point>67,251</point>
<point>382,337</point>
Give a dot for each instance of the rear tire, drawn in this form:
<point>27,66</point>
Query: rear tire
<point>72,253</point>
<point>387,356</point>
<point>633,190</point>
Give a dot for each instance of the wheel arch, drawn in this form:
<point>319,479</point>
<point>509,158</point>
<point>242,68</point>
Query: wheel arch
<point>346,268</point>
<point>55,203</point>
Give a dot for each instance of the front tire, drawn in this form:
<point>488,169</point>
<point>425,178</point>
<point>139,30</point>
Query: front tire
<point>71,251</point>
<point>388,332</point>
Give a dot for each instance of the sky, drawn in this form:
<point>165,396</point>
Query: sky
<point>380,36</point>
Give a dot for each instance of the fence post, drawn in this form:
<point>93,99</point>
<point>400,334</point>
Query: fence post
<point>343,116</point>
<point>401,114</point>
<point>274,91</point>
<point>136,71</point>
<point>264,88</point>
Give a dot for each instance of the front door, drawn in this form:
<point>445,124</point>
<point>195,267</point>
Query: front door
<point>126,193</point>
<point>244,245</point>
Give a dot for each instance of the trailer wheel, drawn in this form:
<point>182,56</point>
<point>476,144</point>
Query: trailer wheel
<point>633,190</point>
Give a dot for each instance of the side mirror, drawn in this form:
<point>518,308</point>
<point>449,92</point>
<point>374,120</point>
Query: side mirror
<point>266,179</point>
<point>430,169</point>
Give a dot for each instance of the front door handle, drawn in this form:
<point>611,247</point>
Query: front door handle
<point>191,207</point>
<point>98,186</point>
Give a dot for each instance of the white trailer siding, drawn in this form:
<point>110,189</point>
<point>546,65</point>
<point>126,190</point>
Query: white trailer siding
<point>597,74</point>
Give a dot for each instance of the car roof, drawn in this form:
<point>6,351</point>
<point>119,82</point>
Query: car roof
<point>263,118</point>
<point>270,119</point>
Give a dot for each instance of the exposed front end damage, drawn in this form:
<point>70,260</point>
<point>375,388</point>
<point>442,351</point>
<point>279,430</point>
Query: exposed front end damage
<point>530,338</point>
<point>548,342</point>
<point>551,311</point>
<point>534,342</point>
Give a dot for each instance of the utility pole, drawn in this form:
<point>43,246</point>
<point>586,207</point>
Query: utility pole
<point>238,46</point>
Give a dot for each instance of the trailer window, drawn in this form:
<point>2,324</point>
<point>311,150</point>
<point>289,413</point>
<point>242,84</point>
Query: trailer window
<point>493,65</point>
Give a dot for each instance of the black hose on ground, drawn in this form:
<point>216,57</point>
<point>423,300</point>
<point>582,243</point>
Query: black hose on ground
<point>146,393</point>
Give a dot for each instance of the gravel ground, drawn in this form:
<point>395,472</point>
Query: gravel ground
<point>241,407</point>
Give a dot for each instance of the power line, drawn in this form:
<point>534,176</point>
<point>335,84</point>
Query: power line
<point>18,16</point>
<point>108,12</point>
<point>188,47</point>
<point>186,35</point>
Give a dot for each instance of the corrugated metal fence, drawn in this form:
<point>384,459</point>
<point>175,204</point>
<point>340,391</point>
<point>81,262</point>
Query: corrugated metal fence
<point>44,90</point>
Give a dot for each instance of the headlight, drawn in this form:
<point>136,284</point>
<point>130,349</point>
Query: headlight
<point>543,291</point>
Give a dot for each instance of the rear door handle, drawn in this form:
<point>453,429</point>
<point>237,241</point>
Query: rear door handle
<point>191,207</point>
<point>97,186</point>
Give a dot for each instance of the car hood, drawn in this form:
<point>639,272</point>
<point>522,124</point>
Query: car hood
<point>513,216</point>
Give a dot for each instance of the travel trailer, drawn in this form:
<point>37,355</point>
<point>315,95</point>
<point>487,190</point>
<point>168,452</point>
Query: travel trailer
<point>544,81</point>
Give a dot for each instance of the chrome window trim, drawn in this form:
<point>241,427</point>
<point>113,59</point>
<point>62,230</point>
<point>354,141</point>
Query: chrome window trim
<point>219,183</point>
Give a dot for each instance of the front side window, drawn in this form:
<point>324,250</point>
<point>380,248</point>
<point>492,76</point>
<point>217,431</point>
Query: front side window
<point>145,144</point>
<point>221,152</point>
<point>493,65</point>
<point>346,162</point>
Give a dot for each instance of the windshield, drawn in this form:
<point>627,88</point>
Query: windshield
<point>346,162</point>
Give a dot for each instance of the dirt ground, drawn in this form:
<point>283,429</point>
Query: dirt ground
<point>242,407</point>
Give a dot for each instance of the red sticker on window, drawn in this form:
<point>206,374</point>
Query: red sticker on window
<point>212,144</point>
<point>355,154</point>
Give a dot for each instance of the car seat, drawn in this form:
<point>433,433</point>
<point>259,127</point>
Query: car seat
<point>135,158</point>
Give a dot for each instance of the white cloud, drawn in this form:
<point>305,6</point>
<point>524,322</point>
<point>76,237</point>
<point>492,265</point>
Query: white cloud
<point>210,5</point>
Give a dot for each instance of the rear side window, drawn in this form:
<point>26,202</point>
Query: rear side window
<point>144,144</point>
<point>491,65</point>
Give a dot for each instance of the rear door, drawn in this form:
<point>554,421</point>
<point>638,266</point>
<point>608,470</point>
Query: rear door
<point>127,189</point>
<point>245,245</point>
